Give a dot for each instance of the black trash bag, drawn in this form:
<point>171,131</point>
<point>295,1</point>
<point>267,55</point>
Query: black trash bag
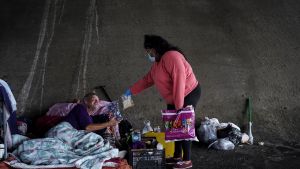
<point>224,132</point>
<point>235,136</point>
<point>232,133</point>
<point>125,129</point>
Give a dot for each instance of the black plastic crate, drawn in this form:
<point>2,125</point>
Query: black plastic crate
<point>147,158</point>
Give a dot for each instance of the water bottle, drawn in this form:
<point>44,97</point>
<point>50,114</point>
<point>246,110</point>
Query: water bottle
<point>136,136</point>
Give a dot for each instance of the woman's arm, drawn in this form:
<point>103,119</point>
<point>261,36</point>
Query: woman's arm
<point>142,84</point>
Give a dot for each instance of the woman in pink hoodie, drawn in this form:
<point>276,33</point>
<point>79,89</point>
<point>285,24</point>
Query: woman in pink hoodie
<point>174,79</point>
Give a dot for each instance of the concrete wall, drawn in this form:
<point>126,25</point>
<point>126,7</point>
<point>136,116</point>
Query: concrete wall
<point>56,50</point>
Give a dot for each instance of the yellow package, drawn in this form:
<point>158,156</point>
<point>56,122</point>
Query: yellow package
<point>160,137</point>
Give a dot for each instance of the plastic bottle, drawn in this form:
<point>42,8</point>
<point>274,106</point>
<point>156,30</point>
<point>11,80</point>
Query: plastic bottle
<point>147,127</point>
<point>159,146</point>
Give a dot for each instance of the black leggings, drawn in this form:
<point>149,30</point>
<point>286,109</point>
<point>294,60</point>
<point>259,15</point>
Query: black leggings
<point>191,99</point>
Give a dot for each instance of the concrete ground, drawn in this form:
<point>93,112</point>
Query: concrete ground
<point>268,156</point>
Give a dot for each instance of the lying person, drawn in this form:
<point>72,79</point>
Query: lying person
<point>70,143</point>
<point>80,117</point>
<point>64,146</point>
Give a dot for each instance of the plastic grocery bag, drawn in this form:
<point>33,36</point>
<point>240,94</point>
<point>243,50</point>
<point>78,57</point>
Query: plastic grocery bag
<point>181,125</point>
<point>127,101</point>
<point>207,132</point>
<point>222,144</point>
<point>147,128</point>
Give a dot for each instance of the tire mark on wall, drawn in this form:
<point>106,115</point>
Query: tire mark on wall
<point>96,24</point>
<point>23,96</point>
<point>43,45</point>
<point>46,53</point>
<point>62,9</point>
<point>81,78</point>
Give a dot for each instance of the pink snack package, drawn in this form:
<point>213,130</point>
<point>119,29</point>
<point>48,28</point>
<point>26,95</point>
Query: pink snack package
<point>181,125</point>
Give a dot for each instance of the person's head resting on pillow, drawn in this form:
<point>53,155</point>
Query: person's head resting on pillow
<point>91,100</point>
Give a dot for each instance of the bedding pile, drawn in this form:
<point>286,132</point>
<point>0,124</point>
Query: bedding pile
<point>64,146</point>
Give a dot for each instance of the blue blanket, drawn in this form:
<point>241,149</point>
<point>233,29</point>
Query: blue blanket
<point>64,146</point>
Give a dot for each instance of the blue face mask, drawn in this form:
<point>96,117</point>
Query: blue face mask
<point>151,59</point>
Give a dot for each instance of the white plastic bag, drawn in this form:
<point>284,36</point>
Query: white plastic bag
<point>222,144</point>
<point>147,128</point>
<point>127,102</point>
<point>224,125</point>
<point>207,132</point>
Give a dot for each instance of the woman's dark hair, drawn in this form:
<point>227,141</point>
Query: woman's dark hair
<point>160,45</point>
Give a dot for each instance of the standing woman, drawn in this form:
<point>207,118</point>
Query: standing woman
<point>174,79</point>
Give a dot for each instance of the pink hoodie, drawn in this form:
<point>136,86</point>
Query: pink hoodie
<point>172,76</point>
